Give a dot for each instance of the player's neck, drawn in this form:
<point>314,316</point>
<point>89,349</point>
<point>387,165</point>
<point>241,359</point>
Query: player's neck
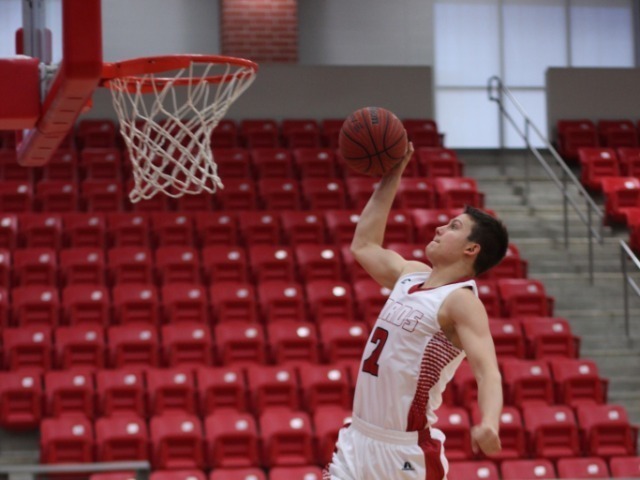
<point>443,275</point>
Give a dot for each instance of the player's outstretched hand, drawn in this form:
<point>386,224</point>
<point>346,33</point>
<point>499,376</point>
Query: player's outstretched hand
<point>485,438</point>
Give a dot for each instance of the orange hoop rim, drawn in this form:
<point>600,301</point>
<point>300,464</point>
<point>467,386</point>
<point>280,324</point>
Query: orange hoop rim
<point>131,71</point>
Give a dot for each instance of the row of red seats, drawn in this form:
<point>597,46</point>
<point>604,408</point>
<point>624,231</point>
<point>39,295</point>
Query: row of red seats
<point>567,468</point>
<point>599,163</point>
<point>292,133</point>
<point>283,436</point>
<point>571,135</point>
<point>203,229</point>
<point>240,194</point>
<point>564,468</point>
<point>238,162</point>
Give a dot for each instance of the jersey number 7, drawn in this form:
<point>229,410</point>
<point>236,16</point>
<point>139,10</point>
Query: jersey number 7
<point>379,337</point>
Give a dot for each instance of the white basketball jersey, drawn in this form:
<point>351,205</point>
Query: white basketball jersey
<point>408,360</point>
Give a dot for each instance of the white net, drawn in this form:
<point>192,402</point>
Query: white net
<point>167,123</point>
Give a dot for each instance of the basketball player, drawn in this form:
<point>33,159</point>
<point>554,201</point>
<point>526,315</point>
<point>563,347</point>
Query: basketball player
<point>432,319</point>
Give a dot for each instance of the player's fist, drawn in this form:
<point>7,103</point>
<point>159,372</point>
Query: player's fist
<point>485,438</point>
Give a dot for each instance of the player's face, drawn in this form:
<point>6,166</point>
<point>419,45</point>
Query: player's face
<point>451,240</point>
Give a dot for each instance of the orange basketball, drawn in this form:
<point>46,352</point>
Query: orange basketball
<point>372,141</point>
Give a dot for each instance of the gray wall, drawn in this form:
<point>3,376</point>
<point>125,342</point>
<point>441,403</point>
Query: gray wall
<point>592,93</point>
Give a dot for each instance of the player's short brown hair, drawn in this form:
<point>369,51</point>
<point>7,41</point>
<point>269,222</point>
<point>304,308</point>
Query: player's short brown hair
<point>492,236</point>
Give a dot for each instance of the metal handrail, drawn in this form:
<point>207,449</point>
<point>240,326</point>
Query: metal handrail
<point>627,254</point>
<point>497,93</point>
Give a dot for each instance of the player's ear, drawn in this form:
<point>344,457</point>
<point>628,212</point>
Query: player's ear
<point>472,248</point>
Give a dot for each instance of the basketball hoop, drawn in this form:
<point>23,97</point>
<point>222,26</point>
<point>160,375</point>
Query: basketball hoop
<point>166,121</point>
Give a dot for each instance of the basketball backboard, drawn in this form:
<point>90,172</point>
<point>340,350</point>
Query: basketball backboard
<point>66,37</point>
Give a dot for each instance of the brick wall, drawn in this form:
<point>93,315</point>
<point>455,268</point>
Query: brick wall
<point>260,30</point>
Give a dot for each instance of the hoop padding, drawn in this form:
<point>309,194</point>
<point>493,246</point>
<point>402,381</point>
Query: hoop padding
<point>167,121</point>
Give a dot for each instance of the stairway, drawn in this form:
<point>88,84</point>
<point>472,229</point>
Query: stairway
<point>596,312</point>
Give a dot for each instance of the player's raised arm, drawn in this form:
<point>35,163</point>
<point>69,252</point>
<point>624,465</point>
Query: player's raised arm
<point>385,266</point>
<point>468,317</point>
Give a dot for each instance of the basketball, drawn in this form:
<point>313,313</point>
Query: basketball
<point>372,141</point>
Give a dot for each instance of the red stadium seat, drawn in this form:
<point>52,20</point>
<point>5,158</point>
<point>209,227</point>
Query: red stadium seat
<point>27,347</point>
<point>129,229</point>
<point>233,301</point>
<point>216,228</point>
<point>281,301</point>
<point>95,133</point>
<point>399,228</point>
<point>457,192</point>
<point>341,225</point>
<point>527,381</point>
<point>330,128</point>
<point>292,342</point>
<point>527,469</point>
<point>16,197</point>
<point>300,132</point>
<point>552,430</point>
<point>359,190</point>
<point>4,308</point>
<point>86,304</point>
<point>303,227</point>
<point>324,193</point>
<point>240,343</point>
<point>222,263</point>
<point>231,440</point>
<point>38,230</point>
<point>80,347</point>
<point>272,262</point>
<point>272,386</point>
<point>225,135</point>
<point>511,266</point>
<point>102,195</point>
<point>409,251</point>
<point>69,393</point>
<point>508,338</point>
<point>315,162</point>
<point>131,265</point>
<point>596,163</point>
<point>184,303</point>
<point>330,300</point>
<point>512,435</point>
<point>136,303</point>
<point>238,474</point>
<point>66,440</point>
<point>455,424</point>
<point>370,298</point>
<point>629,161</point>
<point>238,194</point>
<point>257,133</point>
<point>171,390</point>
<point>342,341</point>
<point>233,162</point>
<point>187,344</point>
<point>327,422</point>
<point>307,472</point>
<point>259,227</point>
<point>177,264</point>
<point>524,297</point>
<point>271,162</point>
<point>8,231</point>
<point>590,467</point>
<point>102,163</point>
<point>575,134</point>
<point>20,400</point>
<point>465,385</point>
<point>323,385</point>
<point>318,262</point>
<point>280,193</point>
<point>617,133</point>
<point>549,337</point>
<point>415,193</point>
<point>10,169</point>
<point>36,305</point>
<point>287,438</point>
<point>221,388</point>
<point>172,229</point>
<point>353,269</point>
<point>176,441</point>
<point>63,165</point>
<point>5,270</point>
<point>478,470</point>
<point>489,295</point>
<point>422,132</point>
<point>606,430</point>
<point>182,474</point>
<point>621,194</point>
<point>121,392</point>
<point>438,162</point>
<point>121,438</point>
<point>622,467</point>
<point>133,345</point>
<point>82,266</point>
<point>35,266</point>
<point>577,381</point>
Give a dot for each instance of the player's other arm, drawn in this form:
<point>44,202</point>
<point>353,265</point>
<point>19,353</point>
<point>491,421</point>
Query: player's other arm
<point>467,315</point>
<point>385,266</point>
